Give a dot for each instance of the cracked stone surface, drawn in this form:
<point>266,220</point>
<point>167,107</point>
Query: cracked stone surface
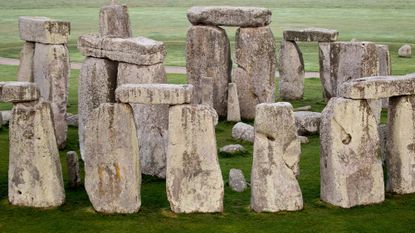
<point>15,92</point>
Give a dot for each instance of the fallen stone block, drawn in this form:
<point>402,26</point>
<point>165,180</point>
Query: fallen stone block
<point>232,149</point>
<point>405,51</point>
<point>25,72</point>
<point>15,92</point>
<point>237,180</point>
<point>44,30</point>
<point>307,123</point>
<point>72,120</point>
<point>114,21</point>
<point>291,71</point>
<point>311,35</point>
<point>5,117</point>
<point>303,139</point>
<point>234,112</point>
<point>244,132</point>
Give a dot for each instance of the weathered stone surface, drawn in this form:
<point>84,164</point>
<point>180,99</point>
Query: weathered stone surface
<point>400,157</point>
<point>237,180</point>
<point>255,75</point>
<point>383,138</point>
<point>151,120</point>
<point>291,71</point>
<point>72,120</point>
<point>311,34</point>
<point>193,178</point>
<point>303,108</point>
<point>170,94</point>
<point>25,73</point>
<point>385,66</point>
<point>405,51</point>
<point>112,164</point>
<point>231,149</point>
<point>229,16</point>
<point>307,122</point>
<point>35,176</point>
<point>114,21</point>
<point>378,87</point>
<point>51,69</point>
<point>138,50</point>
<point>207,91</point>
<point>234,113</point>
<point>325,73</point>
<point>303,139</point>
<point>208,55</point>
<point>15,92</point>
<point>350,167</point>
<point>244,132</point>
<point>96,85</point>
<point>44,30</point>
<point>276,160</point>
<point>74,175</point>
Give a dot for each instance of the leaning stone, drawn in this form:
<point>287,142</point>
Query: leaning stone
<point>350,167</point>
<point>51,74</point>
<point>208,54</point>
<point>229,16</point>
<point>171,94</point>
<point>311,34</point>
<point>35,176</point>
<point>112,164</point>
<point>276,160</point>
<point>97,83</point>
<point>255,75</point>
<point>400,157</point>
<point>291,71</point>
<point>303,139</point>
<point>44,30</point>
<point>114,21</point>
<point>193,178</point>
<point>234,113</point>
<point>15,92</point>
<point>25,73</point>
<point>405,51</point>
<point>237,180</point>
<point>307,122</point>
<point>72,120</point>
<point>232,149</point>
<point>74,175</point>
<point>244,132</point>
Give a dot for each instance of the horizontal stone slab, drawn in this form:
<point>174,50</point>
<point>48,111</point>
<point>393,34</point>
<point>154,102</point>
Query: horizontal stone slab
<point>14,92</point>
<point>378,87</point>
<point>230,16</point>
<point>170,94</point>
<point>44,30</point>
<point>138,50</point>
<point>311,34</point>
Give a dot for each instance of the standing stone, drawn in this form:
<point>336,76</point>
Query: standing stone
<point>234,112</point>
<point>400,157</point>
<point>244,132</point>
<point>237,180</point>
<point>151,120</point>
<point>97,83</point>
<point>25,73</point>
<point>385,66</point>
<point>291,71</point>
<point>208,55</point>
<point>112,164</point>
<point>207,91</point>
<point>114,21</point>
<point>255,74</point>
<point>193,178</point>
<point>35,176</point>
<point>74,175</point>
<point>350,167</point>
<point>51,74</point>
<point>276,160</point>
<point>383,138</point>
<point>325,73</point>
<point>405,51</point>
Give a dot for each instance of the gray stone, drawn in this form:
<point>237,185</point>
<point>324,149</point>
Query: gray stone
<point>44,30</point>
<point>350,167</point>
<point>15,92</point>
<point>114,21</point>
<point>276,160</point>
<point>232,149</point>
<point>303,139</point>
<point>385,66</point>
<point>5,117</point>
<point>325,73</point>
<point>307,123</point>
<point>244,132</point>
<point>207,91</point>
<point>234,113</point>
<point>237,180</point>
<point>255,74</point>
<point>405,51</point>
<point>311,34</point>
<point>291,71</point>
<point>304,108</point>
<point>74,174</point>
<point>383,138</point>
<point>25,72</point>
<point>112,164</point>
<point>193,178</point>
<point>72,120</point>
<point>35,176</point>
<point>208,55</point>
<point>229,16</point>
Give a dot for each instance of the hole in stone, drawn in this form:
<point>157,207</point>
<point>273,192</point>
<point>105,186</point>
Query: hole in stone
<point>270,138</point>
<point>346,139</point>
<point>19,192</point>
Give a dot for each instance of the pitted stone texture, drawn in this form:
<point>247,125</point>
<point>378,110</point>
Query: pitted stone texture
<point>229,16</point>
<point>405,51</point>
<point>193,178</point>
<point>74,174</point>
<point>114,21</point>
<point>112,164</point>
<point>237,180</point>
<point>276,160</point>
<point>208,54</point>
<point>72,120</point>
<point>234,112</point>
<point>307,122</point>
<point>255,74</point>
<point>207,91</point>
<point>138,50</point>
<point>311,34</point>
<point>151,120</point>
<point>35,176</point>
<point>385,66</point>
<point>232,149</point>
<point>244,132</point>
<point>171,94</point>
<point>291,71</point>
<point>51,74</point>
<point>25,73</point>
<point>97,83</point>
<point>325,73</point>
<point>44,30</point>
<point>400,158</point>
<point>350,167</point>
<point>15,92</point>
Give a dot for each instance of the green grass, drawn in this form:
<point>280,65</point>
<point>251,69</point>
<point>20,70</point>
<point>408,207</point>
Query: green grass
<point>396,214</point>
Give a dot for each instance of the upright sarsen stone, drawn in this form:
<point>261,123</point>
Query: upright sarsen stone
<point>234,112</point>
<point>114,21</point>
<point>291,70</point>
<point>25,73</point>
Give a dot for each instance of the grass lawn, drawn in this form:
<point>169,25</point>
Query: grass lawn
<point>396,214</point>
